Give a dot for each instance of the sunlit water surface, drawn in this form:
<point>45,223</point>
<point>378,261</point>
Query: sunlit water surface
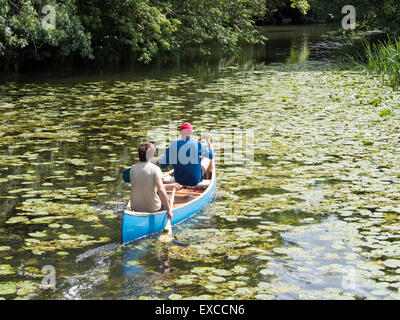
<point>306,208</point>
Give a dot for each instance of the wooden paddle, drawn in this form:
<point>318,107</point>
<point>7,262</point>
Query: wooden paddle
<point>168,226</point>
<point>167,232</point>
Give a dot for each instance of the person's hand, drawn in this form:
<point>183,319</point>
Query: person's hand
<point>170,214</point>
<point>207,136</point>
<point>177,186</point>
<point>172,186</point>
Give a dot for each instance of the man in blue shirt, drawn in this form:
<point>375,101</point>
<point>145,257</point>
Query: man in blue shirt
<point>184,156</point>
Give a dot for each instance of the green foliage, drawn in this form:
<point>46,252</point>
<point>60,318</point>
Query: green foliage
<point>383,58</point>
<point>385,113</point>
<point>302,5</point>
<point>367,143</point>
<point>380,58</point>
<point>135,24</point>
<point>152,26</point>
<point>225,23</point>
<point>102,29</point>
<point>370,14</point>
<point>22,35</point>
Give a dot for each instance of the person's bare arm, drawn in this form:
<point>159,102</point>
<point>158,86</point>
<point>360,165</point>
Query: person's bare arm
<point>162,193</point>
<point>208,139</point>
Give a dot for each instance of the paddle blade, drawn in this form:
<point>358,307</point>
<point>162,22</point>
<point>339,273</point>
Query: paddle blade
<point>168,227</point>
<point>165,237</point>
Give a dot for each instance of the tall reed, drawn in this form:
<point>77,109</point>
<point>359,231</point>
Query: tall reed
<point>383,58</point>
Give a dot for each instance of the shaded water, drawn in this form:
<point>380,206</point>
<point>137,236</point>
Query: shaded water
<point>315,215</point>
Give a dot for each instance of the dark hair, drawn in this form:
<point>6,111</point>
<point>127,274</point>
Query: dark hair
<point>143,147</point>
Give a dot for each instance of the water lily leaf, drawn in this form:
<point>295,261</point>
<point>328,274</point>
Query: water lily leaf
<point>108,178</point>
<point>184,281</point>
<point>7,288</point>
<point>211,287</point>
<point>199,270</point>
<point>27,287</point>
<point>19,219</point>
<point>267,272</point>
<point>239,269</point>
<point>38,234</point>
<point>216,279</point>
<point>67,236</point>
<point>244,291</point>
<point>392,263</point>
<point>62,253</point>
<point>264,296</point>
<point>77,162</point>
<point>6,269</point>
<point>222,272</point>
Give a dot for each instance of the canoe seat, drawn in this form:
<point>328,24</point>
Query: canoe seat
<point>169,179</point>
<point>204,183</point>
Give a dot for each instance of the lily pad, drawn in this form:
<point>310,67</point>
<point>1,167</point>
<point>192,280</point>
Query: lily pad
<point>6,269</point>
<point>19,219</point>
<point>392,263</point>
<point>7,288</point>
<point>216,279</point>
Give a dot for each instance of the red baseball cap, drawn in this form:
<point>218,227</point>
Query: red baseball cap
<point>186,126</point>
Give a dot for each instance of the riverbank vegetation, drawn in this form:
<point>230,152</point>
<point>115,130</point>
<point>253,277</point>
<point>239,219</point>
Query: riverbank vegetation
<point>382,58</point>
<point>102,31</point>
<point>378,50</point>
<point>32,30</point>
<point>370,14</point>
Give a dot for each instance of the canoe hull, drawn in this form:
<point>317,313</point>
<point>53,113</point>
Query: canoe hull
<point>135,226</point>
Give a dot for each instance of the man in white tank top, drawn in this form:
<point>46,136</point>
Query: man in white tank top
<point>147,189</point>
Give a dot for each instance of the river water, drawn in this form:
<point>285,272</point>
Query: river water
<point>308,195</point>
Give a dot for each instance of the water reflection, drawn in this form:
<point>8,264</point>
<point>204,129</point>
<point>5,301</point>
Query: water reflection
<point>289,44</point>
<point>131,255</point>
<point>299,50</point>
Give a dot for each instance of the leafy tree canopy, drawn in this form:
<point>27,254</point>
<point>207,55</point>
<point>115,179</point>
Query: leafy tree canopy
<point>38,29</point>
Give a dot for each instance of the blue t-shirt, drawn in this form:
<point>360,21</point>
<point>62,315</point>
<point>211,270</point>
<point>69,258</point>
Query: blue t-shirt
<point>184,156</point>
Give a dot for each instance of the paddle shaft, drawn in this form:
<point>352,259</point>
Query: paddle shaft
<point>171,203</point>
<point>188,192</point>
<point>172,198</point>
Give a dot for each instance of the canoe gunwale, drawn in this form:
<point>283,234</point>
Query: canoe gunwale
<point>145,214</point>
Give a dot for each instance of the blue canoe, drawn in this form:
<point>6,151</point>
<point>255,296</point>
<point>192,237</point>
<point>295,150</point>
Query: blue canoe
<point>187,202</point>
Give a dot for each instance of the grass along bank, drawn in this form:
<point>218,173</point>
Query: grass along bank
<point>379,57</point>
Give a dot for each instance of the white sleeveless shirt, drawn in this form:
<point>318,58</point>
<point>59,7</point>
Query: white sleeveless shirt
<point>144,197</point>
